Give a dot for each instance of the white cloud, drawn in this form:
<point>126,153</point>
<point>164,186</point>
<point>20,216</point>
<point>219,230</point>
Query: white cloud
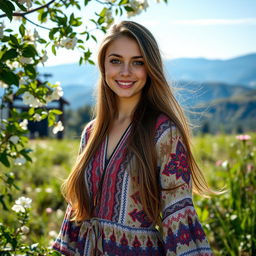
<point>207,22</point>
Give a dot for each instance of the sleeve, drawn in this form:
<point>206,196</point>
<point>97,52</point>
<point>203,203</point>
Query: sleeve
<point>182,232</point>
<point>70,240</point>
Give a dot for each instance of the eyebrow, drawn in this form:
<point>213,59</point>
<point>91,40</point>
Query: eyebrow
<point>119,56</point>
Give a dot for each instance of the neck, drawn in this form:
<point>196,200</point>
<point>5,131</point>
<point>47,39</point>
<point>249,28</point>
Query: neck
<point>126,109</point>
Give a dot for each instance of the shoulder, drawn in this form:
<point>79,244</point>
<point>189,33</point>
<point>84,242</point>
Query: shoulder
<point>165,129</point>
<point>86,132</point>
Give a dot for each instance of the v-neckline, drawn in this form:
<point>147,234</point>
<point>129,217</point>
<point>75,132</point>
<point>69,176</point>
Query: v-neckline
<point>107,160</point>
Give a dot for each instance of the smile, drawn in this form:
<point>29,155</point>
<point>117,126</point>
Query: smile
<point>125,84</point>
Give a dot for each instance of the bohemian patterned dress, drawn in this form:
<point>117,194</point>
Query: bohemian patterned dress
<point>121,227</point>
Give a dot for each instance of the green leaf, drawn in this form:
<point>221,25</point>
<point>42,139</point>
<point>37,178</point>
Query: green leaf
<point>54,50</point>
<point>55,111</point>
<point>22,30</point>
<point>8,30</point>
<point>103,12</point>
<point>10,54</point>
<point>128,9</point>
<point>14,40</point>
<point>31,111</point>
<point>9,77</point>
<point>4,159</point>
<point>7,7</point>
<point>52,32</point>
<point>30,71</point>
<point>29,51</point>
<point>94,38</point>
<point>122,2</point>
<point>21,6</point>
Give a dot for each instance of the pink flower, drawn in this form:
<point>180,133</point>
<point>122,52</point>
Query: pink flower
<point>218,163</point>
<point>243,137</point>
<point>48,210</point>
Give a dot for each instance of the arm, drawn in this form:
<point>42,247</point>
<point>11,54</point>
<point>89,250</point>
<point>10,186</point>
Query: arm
<point>181,229</point>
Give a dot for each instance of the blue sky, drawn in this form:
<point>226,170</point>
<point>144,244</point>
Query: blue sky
<point>214,29</point>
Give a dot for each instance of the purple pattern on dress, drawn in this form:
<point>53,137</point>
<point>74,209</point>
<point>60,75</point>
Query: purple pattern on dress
<point>178,164</point>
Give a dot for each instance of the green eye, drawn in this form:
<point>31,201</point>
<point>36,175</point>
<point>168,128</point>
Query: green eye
<point>140,63</point>
<point>115,61</point>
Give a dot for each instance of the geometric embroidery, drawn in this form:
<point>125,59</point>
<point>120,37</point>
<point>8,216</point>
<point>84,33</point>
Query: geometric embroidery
<point>141,217</point>
<point>178,164</point>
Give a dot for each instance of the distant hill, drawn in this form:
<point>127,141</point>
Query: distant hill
<point>240,71</point>
<point>236,114</point>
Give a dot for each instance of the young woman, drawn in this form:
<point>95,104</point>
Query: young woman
<point>130,191</point>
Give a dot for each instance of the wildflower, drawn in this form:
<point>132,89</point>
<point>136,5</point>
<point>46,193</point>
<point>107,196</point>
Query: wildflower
<point>58,127</point>
<point>59,213</point>
<point>24,124</point>
<point>24,229</point>
<point>28,3</point>
<point>3,85</point>
<point>69,43</point>
<point>53,233</point>
<point>48,190</point>
<point>233,217</point>
<point>1,30</point>
<point>24,201</point>
<point>14,139</point>
<point>38,190</point>
<point>243,137</point>
<point>19,161</point>
<point>225,164</point>
<point>218,163</point>
<point>48,210</point>
<point>37,117</point>
<point>18,208</point>
<point>25,60</point>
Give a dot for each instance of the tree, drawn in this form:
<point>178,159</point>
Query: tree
<point>21,53</point>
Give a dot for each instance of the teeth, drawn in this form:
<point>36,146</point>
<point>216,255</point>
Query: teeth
<point>122,83</point>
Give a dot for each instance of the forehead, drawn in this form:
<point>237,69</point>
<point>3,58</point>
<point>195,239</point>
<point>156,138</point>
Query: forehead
<point>124,46</point>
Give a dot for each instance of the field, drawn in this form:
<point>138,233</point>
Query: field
<point>227,161</point>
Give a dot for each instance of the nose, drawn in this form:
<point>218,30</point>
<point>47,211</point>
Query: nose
<point>125,69</point>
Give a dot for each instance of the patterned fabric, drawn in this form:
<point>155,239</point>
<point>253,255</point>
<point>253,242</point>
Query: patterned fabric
<point>121,226</point>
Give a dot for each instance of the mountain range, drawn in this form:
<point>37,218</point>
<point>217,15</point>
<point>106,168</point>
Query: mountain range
<point>222,91</point>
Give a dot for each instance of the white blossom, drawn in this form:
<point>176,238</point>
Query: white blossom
<point>24,124</point>
<point>38,190</point>
<point>1,30</point>
<point>18,208</point>
<point>29,99</point>
<point>37,117</point>
<point>3,85</point>
<point>22,81</point>
<point>137,6</point>
<point>24,229</point>
<point>28,3</point>
<point>44,58</point>
<point>14,139</point>
<point>58,127</point>
<point>59,213</point>
<point>25,60</point>
<point>24,201</point>
<point>69,43</point>
<point>19,161</point>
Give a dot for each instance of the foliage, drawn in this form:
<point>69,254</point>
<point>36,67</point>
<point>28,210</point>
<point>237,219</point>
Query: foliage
<point>20,54</point>
<point>231,217</point>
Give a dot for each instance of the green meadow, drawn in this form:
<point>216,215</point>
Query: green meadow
<point>228,219</point>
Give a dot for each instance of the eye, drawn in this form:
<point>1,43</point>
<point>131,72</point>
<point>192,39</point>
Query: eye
<point>139,63</point>
<point>115,61</point>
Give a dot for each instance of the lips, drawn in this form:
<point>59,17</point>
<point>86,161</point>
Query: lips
<point>125,84</point>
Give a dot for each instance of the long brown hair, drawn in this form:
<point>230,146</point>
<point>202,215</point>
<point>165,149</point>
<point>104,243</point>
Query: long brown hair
<point>157,98</point>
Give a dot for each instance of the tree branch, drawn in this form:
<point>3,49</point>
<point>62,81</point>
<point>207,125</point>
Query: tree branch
<point>40,26</point>
<point>22,14</point>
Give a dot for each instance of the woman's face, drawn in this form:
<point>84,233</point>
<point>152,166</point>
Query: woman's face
<point>125,71</point>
